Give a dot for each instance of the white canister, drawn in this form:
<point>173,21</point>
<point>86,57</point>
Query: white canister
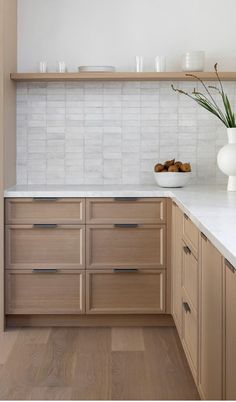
<point>193,61</point>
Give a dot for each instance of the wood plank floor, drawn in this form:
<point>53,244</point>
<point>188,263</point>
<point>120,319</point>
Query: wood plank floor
<point>94,364</point>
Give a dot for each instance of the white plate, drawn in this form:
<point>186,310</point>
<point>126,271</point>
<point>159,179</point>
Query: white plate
<point>97,69</point>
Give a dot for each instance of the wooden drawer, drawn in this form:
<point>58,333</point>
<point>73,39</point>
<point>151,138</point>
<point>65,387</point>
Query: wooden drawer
<point>191,235</point>
<point>109,246</point>
<point>61,292</point>
<point>44,210</point>
<point>45,246</point>
<point>125,292</point>
<point>126,210</point>
<point>190,275</point>
<point>190,334</point>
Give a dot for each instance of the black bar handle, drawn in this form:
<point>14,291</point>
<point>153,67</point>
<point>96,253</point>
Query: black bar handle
<point>186,307</point>
<point>125,199</point>
<point>203,236</point>
<point>45,198</point>
<point>187,250</point>
<point>126,225</point>
<point>45,225</point>
<point>44,270</point>
<point>230,266</point>
<point>125,270</point>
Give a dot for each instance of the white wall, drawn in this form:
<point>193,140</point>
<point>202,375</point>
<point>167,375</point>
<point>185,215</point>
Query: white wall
<point>114,31</point>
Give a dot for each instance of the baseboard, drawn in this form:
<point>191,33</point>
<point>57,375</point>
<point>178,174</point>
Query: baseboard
<point>153,320</point>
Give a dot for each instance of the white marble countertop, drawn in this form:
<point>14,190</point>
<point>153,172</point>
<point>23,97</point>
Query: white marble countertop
<point>211,208</point>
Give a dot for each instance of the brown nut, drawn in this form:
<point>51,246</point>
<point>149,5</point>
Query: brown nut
<point>178,164</point>
<point>169,163</point>
<point>164,170</point>
<point>173,168</point>
<point>185,167</point>
<point>158,167</point>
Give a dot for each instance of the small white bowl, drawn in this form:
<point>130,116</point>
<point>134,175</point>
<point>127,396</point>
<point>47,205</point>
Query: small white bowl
<point>172,179</point>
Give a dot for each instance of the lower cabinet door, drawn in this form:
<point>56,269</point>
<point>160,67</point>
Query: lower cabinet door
<point>45,292</point>
<point>190,335</point>
<point>230,332</point>
<point>125,291</point>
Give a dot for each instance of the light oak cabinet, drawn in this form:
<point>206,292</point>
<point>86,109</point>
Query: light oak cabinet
<point>211,322</point>
<point>125,246</point>
<point>47,292</point>
<point>125,291</point>
<point>185,284</point>
<point>230,331</point>
<point>177,255</point>
<point>126,210</point>
<point>45,246</point>
<point>118,253</point>
<point>50,210</point>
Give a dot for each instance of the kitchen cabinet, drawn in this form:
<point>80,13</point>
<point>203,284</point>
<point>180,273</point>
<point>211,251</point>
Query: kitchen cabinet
<point>45,292</point>
<point>114,248</point>
<point>126,210</point>
<point>125,291</point>
<point>211,322</point>
<point>45,246</point>
<point>177,254</point>
<point>50,210</point>
<point>125,246</point>
<point>185,284</point>
<point>230,331</point>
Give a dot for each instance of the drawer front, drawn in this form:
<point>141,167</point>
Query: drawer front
<point>29,247</point>
<point>126,210</point>
<point>190,334</point>
<point>190,275</point>
<point>125,292</point>
<point>191,235</point>
<point>44,210</point>
<point>137,247</point>
<point>61,292</point>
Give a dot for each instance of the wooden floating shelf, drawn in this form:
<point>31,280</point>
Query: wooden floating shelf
<point>120,76</point>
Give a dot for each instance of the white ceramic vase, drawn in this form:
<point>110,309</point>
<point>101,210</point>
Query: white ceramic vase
<point>226,159</point>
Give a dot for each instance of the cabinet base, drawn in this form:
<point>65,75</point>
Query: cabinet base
<point>128,320</point>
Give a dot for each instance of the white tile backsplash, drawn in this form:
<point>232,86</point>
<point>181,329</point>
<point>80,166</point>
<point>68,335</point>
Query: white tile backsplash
<point>112,132</point>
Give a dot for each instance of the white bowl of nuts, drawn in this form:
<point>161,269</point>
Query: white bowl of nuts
<point>172,174</point>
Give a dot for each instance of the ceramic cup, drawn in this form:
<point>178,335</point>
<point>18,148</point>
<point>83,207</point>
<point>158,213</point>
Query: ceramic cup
<point>193,61</point>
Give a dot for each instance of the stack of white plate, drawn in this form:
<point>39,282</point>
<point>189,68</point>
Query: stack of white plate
<point>97,69</point>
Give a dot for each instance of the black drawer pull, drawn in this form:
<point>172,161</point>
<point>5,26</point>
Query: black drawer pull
<point>186,217</point>
<point>203,236</point>
<point>45,198</point>
<point>45,225</point>
<point>230,266</point>
<point>187,250</point>
<point>44,270</point>
<point>126,225</point>
<point>186,307</point>
<point>125,199</point>
<point>125,270</point>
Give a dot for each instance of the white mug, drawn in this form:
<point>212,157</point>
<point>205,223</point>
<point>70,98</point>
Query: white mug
<point>160,64</point>
<point>43,66</point>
